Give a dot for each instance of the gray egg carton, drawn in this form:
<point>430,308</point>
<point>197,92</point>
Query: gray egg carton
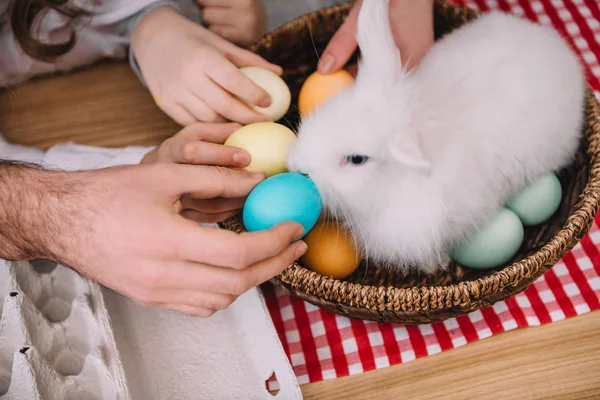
<point>56,340</point>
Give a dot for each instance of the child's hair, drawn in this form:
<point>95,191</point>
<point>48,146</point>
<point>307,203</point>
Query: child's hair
<point>23,13</point>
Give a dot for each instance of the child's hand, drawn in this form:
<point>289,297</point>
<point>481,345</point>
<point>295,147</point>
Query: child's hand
<point>194,74</point>
<point>411,22</point>
<point>202,144</point>
<point>242,22</point>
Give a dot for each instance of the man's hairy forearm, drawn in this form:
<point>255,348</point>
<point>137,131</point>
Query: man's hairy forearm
<point>37,207</point>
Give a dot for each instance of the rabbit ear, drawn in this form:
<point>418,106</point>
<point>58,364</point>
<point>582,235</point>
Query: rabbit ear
<point>406,148</point>
<point>380,56</point>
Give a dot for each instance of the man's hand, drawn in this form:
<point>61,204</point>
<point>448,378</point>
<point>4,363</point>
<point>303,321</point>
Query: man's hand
<point>412,27</point>
<point>202,144</point>
<point>194,74</point>
<point>242,22</point>
<point>122,227</point>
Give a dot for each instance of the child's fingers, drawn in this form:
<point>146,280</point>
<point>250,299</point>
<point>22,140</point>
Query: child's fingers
<point>230,107</point>
<point>216,3</point>
<point>199,109</point>
<point>226,75</point>
<point>245,58</point>
<point>217,15</point>
<point>225,31</point>
<point>176,111</point>
<point>241,57</point>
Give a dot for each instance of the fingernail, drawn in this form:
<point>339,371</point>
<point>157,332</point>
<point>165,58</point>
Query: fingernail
<point>300,250</point>
<point>241,158</point>
<point>299,231</point>
<point>266,102</point>
<point>326,64</point>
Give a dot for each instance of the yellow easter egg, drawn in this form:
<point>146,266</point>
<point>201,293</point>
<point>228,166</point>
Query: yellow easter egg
<point>318,88</point>
<point>267,143</point>
<point>331,251</point>
<point>277,89</point>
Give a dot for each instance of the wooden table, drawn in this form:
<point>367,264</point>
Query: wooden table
<point>106,106</point>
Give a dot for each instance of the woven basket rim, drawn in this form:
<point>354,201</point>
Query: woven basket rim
<point>528,268</point>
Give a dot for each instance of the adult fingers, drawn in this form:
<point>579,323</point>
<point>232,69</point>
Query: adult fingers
<point>342,45</point>
<point>267,269</point>
<point>207,218</point>
<point>205,153</point>
<point>225,248</point>
<point>189,310</point>
<point>194,298</point>
<point>209,132</point>
<point>186,276</point>
<point>205,181</point>
<point>212,206</point>
<point>189,276</point>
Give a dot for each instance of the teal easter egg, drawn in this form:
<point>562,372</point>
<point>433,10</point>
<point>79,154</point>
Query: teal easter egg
<point>281,198</point>
<point>538,201</point>
<point>494,244</point>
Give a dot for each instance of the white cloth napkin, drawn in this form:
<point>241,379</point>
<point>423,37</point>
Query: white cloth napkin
<point>167,355</point>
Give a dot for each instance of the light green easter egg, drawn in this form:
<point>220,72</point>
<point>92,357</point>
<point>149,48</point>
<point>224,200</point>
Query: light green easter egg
<point>538,201</point>
<point>493,245</point>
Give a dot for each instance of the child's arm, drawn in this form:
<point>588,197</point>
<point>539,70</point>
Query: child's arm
<point>186,8</point>
<point>101,30</point>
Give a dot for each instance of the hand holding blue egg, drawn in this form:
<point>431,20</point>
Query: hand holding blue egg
<point>280,198</point>
<point>283,196</point>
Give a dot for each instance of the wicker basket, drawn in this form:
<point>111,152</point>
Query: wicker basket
<point>385,295</point>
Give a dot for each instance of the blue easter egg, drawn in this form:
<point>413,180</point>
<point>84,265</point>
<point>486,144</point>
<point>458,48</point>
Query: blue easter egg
<point>281,198</point>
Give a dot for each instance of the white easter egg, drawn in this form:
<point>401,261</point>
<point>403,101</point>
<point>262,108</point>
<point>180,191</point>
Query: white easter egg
<point>280,94</point>
<point>267,143</point>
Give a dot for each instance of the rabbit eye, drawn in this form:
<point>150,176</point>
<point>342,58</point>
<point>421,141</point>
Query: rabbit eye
<point>357,159</point>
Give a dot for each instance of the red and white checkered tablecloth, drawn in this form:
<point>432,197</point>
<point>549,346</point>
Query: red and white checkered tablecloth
<point>322,345</point>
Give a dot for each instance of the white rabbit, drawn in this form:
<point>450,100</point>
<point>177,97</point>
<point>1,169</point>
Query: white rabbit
<point>414,162</point>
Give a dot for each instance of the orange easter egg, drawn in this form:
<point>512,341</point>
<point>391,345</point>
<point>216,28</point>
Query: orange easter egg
<point>318,88</point>
<point>331,251</point>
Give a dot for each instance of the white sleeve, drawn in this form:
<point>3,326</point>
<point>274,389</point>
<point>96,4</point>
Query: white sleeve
<point>15,152</point>
<point>71,156</point>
